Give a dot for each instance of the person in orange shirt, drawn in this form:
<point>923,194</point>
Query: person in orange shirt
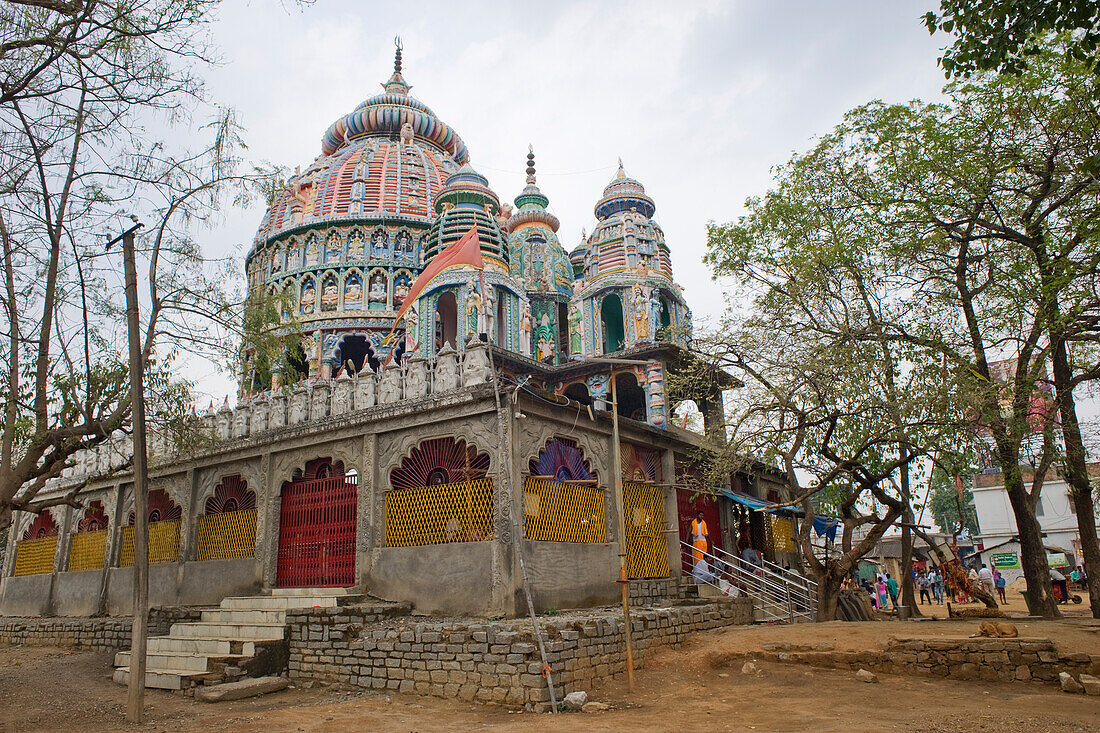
<point>699,538</point>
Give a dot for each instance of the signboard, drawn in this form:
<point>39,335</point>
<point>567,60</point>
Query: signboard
<point>1004,560</point>
<point>1057,560</point>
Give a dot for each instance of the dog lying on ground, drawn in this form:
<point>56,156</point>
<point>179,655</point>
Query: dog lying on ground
<point>997,629</point>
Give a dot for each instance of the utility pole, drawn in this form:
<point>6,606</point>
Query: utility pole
<point>624,579</point>
<point>135,700</point>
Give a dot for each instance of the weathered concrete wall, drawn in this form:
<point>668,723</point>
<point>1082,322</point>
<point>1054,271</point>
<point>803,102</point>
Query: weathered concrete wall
<point>443,579</point>
<point>162,588</point>
<point>571,575</point>
<point>77,593</point>
<point>26,596</point>
<point>207,583</point>
<point>489,662</point>
<point>89,633</point>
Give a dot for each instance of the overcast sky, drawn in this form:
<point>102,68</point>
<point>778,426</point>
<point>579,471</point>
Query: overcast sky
<point>700,99</point>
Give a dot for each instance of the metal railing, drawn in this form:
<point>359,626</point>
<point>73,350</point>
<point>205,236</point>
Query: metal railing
<point>780,595</point>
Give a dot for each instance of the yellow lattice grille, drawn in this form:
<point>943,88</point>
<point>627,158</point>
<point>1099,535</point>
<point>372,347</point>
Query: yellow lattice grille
<point>558,512</point>
<point>228,535</point>
<point>164,543</point>
<point>646,543</point>
<point>779,534</point>
<point>35,557</point>
<point>88,550</point>
<point>432,515</point>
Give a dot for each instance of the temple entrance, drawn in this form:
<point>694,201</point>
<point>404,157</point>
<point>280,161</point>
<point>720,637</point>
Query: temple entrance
<point>317,528</point>
<point>611,317</point>
<point>688,503</point>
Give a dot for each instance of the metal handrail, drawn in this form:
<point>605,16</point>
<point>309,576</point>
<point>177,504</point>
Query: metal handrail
<point>775,597</point>
<point>807,593</point>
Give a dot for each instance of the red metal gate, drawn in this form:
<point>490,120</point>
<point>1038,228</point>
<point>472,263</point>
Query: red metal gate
<point>317,533</point>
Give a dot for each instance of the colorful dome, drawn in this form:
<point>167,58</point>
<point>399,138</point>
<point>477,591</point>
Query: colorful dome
<point>466,201</point>
<point>386,160</point>
<point>624,194</point>
<point>538,258</point>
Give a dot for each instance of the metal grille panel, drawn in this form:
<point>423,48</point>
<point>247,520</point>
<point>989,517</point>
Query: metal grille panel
<point>35,557</point>
<point>88,550</point>
<point>164,544</point>
<point>559,512</point>
<point>432,515</point>
<point>317,533</point>
<point>228,535</point>
<point>646,544</point>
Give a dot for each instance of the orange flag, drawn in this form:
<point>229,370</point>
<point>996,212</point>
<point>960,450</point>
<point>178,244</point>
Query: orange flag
<point>466,251</point>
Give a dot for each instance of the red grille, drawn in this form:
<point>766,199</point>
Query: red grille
<point>317,533</point>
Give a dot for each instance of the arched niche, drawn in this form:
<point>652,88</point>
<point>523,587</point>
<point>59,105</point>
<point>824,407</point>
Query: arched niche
<point>562,459</point>
<point>230,495</point>
<point>439,461</point>
<point>612,325</point>
<point>446,321</point>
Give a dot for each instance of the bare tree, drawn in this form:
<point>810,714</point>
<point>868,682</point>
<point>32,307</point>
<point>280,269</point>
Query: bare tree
<point>90,135</point>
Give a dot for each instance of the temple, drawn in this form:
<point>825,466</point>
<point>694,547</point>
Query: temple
<point>451,408</point>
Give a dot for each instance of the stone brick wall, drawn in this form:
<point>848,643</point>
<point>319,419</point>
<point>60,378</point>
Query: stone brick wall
<point>1005,660</point>
<point>494,662</point>
<point>652,591</point>
<point>112,633</point>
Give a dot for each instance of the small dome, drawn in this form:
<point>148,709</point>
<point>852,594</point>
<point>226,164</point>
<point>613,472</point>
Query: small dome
<point>466,201</point>
<point>624,194</point>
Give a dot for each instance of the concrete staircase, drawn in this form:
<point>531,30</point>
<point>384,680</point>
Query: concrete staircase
<point>200,652</point>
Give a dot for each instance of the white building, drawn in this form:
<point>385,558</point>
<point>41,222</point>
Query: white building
<point>997,523</point>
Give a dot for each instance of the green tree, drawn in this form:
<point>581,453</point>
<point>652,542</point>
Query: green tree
<point>1004,35</point>
<point>982,213</point>
<point>945,501</point>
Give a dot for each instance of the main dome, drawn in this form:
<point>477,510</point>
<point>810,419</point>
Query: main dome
<point>387,159</point>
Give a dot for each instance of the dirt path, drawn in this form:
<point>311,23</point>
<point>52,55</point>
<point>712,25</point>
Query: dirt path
<point>55,690</point>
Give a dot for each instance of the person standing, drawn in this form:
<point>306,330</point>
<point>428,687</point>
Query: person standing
<point>925,584</point>
<point>999,584</point>
<point>892,589</point>
<point>1059,581</point>
<point>985,576</point>
<point>881,587</point>
<point>699,538</point>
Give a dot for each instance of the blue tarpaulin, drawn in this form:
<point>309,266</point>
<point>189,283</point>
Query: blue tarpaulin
<point>822,525</point>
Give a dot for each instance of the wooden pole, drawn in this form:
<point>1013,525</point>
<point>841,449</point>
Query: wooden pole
<point>624,580</point>
<point>135,701</point>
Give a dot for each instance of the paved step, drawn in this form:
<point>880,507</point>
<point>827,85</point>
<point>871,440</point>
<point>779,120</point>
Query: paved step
<point>178,660</point>
<point>241,632</point>
<point>265,603</point>
<point>161,679</point>
<point>198,645</point>
<point>244,617</point>
<point>277,592</point>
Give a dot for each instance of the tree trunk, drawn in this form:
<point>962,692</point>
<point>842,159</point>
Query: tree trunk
<point>1076,472</point>
<point>908,594</point>
<point>1033,555</point>
<point>828,591</point>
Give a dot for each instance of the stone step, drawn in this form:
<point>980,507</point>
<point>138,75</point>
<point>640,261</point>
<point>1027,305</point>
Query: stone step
<point>161,679</point>
<point>199,645</point>
<point>244,617</point>
<point>315,592</point>
<point>161,661</point>
<point>238,632</point>
<point>282,603</point>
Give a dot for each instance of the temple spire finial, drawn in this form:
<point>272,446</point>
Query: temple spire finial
<point>396,83</point>
<point>622,172</point>
<point>530,164</point>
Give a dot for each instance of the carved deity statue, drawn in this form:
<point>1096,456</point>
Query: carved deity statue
<point>575,332</point>
<point>525,326</point>
<point>407,133</point>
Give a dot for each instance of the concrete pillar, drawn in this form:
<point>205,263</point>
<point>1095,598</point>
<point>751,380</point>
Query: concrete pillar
<point>268,506</point>
<point>365,510</point>
<point>668,467</point>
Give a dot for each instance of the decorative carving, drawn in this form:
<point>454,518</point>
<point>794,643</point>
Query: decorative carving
<point>299,406</point>
<point>319,401</point>
<point>475,367</point>
<point>446,370</point>
<point>240,421</point>
<point>364,389</point>
<point>258,423</point>
<point>416,378</point>
<point>342,394</point>
<point>389,386</point>
<point>277,416</point>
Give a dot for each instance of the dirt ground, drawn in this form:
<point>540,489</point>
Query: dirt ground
<point>58,690</point>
